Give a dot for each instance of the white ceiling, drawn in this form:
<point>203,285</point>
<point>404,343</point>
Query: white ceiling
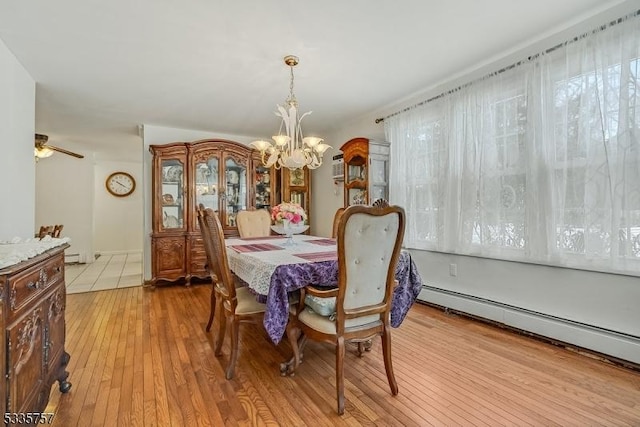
<point>104,67</point>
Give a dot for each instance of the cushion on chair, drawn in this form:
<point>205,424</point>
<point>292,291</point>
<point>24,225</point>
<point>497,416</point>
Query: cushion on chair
<point>247,303</point>
<point>254,223</point>
<point>327,325</point>
<point>322,306</point>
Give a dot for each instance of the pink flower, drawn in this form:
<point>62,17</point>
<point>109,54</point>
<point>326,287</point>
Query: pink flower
<point>292,212</point>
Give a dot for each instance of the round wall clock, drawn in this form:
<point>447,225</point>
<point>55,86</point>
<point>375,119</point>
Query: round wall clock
<point>120,184</point>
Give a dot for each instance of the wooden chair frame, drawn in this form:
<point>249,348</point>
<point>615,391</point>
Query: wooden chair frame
<point>225,297</point>
<point>336,222</point>
<point>298,332</point>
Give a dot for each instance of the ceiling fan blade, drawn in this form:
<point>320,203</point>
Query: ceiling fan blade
<point>62,150</point>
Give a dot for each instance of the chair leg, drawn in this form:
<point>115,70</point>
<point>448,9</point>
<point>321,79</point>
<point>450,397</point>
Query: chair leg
<point>340,351</point>
<point>297,340</point>
<point>234,325</point>
<point>213,307</point>
<point>289,367</point>
<point>388,366</point>
<point>222,331</point>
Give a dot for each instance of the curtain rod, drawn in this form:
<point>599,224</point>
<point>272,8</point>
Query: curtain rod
<point>516,64</point>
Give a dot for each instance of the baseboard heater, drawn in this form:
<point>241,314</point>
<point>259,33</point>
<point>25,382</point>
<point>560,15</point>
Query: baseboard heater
<point>619,348</point>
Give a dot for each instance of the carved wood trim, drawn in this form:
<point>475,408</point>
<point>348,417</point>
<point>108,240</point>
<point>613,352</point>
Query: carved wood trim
<point>27,338</point>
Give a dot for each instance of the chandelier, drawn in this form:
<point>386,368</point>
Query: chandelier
<point>290,148</point>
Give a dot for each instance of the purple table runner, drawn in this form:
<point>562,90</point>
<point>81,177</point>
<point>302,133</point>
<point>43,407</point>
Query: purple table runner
<point>288,278</point>
<point>255,247</point>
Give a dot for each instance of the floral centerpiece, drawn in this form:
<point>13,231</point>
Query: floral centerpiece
<point>288,212</point>
<point>289,219</point>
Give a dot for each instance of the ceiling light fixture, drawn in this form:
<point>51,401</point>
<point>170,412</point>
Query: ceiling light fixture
<point>291,149</point>
<point>43,153</point>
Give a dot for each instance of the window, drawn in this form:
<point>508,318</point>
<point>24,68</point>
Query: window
<point>538,163</point>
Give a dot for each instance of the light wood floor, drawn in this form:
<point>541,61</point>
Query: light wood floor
<point>141,357</point>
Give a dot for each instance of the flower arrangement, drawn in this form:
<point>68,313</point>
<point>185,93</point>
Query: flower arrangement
<point>292,212</point>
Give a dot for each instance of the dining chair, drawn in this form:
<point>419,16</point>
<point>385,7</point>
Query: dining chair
<point>57,230</point>
<point>255,223</point>
<point>369,244</point>
<point>45,230</point>
<point>380,203</point>
<point>336,221</point>
<point>234,305</point>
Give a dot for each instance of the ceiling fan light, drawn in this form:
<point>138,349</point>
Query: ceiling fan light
<point>43,153</point>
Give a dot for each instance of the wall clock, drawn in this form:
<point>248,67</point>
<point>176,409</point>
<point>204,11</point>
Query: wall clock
<point>120,184</point>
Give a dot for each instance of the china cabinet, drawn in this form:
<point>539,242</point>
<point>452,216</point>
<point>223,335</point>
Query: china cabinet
<point>223,175</point>
<point>32,315</point>
<point>366,171</point>
<point>267,191</point>
<point>296,188</point>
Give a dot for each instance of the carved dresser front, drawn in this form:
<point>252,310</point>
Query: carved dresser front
<point>32,320</point>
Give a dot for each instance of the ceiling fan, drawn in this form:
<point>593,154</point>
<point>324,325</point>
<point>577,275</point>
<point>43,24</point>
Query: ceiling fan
<point>42,150</point>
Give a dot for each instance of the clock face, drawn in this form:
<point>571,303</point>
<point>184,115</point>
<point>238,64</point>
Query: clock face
<point>120,184</point>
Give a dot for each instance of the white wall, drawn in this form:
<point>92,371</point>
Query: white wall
<point>64,195</point>
<point>17,112</point>
<point>592,310</point>
<point>72,192</point>
<point>118,220</point>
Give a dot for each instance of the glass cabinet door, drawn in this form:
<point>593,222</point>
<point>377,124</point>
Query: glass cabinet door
<point>300,197</point>
<point>356,170</point>
<point>378,173</point>
<point>206,183</point>
<point>263,188</point>
<point>236,190</point>
<point>172,197</point>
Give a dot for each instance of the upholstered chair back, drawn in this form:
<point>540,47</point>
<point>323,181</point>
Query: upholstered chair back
<point>254,223</point>
<point>369,244</point>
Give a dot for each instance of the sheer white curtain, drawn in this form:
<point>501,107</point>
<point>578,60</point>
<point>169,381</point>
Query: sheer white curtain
<point>539,163</point>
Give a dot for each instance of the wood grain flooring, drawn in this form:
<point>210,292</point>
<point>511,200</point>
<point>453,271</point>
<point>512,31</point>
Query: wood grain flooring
<point>141,357</point>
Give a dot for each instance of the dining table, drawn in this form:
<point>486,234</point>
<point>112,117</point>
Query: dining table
<point>273,267</point>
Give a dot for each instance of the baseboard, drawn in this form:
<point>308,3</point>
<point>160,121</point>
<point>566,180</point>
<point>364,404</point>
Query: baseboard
<point>131,252</point>
<point>617,347</point>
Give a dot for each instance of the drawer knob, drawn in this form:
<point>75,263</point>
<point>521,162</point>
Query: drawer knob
<point>34,286</point>
<point>40,283</point>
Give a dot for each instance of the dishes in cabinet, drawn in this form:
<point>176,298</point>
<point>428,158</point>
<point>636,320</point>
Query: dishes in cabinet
<point>167,199</point>
<point>233,177</point>
<point>170,221</point>
<point>206,173</point>
<point>171,173</point>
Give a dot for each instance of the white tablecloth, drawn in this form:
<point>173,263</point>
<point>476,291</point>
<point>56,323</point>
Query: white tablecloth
<point>17,250</point>
<point>256,268</point>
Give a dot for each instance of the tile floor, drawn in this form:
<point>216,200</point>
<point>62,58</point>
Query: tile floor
<point>107,272</point>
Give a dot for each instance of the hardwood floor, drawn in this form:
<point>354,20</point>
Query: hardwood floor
<point>141,356</point>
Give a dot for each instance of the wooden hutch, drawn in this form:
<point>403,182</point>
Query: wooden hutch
<point>223,175</point>
<point>366,171</point>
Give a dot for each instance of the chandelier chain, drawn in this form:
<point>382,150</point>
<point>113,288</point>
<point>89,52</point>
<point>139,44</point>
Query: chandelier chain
<point>292,101</point>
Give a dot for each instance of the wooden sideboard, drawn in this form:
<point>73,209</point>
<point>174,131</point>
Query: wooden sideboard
<point>33,301</point>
